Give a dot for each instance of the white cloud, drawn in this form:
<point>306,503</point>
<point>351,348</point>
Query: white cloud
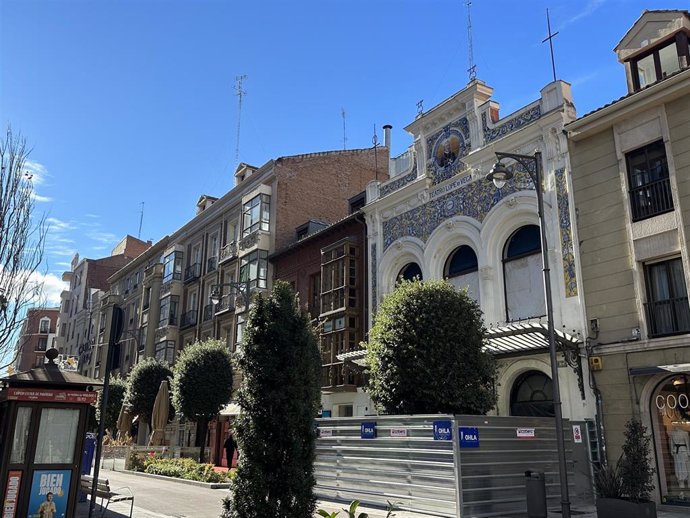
<point>51,287</point>
<point>58,224</point>
<point>590,7</point>
<point>37,171</point>
<point>41,199</point>
<point>103,237</point>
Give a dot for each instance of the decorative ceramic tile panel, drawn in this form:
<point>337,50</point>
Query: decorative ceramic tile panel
<point>374,294</point>
<point>520,120</point>
<point>475,200</point>
<point>445,148</point>
<point>397,183</point>
<point>567,248</point>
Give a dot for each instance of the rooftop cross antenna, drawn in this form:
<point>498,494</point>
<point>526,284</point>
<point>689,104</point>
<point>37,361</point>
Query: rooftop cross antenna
<point>473,68</point>
<point>344,134</point>
<point>240,93</point>
<point>141,220</point>
<point>549,38</point>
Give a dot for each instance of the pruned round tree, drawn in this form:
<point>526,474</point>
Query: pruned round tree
<point>202,384</point>
<point>279,400</point>
<point>116,398</point>
<point>425,352</point>
<point>142,387</point>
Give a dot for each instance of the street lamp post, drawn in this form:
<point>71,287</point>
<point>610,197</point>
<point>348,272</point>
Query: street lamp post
<point>500,174</point>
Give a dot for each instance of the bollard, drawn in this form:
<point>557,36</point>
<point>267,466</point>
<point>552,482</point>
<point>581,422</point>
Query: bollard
<point>535,487</point>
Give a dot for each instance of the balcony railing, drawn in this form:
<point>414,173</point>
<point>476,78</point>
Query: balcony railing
<point>188,318</point>
<point>211,264</point>
<point>228,252</point>
<point>225,303</point>
<point>208,312</point>
<point>651,199</point>
<point>193,271</point>
<point>668,317</point>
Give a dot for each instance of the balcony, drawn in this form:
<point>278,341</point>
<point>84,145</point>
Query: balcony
<point>651,199</point>
<point>211,264</point>
<point>668,317</point>
<point>188,319</point>
<point>228,252</point>
<point>192,272</point>
<point>208,312</point>
<point>226,303</point>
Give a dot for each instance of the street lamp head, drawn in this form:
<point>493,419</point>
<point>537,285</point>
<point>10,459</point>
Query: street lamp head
<point>499,174</point>
<point>215,295</point>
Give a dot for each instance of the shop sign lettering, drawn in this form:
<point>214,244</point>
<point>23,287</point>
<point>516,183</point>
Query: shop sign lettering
<point>9,508</point>
<point>672,401</point>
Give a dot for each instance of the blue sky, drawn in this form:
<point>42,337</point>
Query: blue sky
<point>131,101</point>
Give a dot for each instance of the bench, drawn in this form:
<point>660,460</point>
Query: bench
<point>106,493</point>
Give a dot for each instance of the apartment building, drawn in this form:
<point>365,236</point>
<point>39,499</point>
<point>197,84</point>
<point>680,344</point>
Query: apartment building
<point>36,336</point>
<point>79,311</point>
<point>327,266</point>
<point>631,179</point>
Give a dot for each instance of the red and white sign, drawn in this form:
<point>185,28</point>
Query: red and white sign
<point>14,481</point>
<point>577,433</point>
<point>398,432</point>
<point>51,396</point>
<point>526,433</point>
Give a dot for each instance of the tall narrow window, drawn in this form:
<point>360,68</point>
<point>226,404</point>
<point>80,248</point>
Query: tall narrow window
<point>650,188</point>
<point>522,271</point>
<point>254,268</point>
<point>256,214</point>
<point>667,306</point>
<point>172,267</point>
<point>462,270</point>
<point>410,271</point>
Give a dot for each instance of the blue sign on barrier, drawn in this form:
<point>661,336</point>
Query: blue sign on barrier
<point>368,430</point>
<point>469,437</point>
<point>443,431</point>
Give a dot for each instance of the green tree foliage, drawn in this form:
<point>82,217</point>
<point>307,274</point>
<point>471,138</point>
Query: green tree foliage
<point>425,352</point>
<point>279,399</point>
<point>143,384</point>
<point>202,384</point>
<point>116,397</point>
<point>636,472</point>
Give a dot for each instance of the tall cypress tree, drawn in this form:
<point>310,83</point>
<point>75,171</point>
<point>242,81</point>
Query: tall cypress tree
<point>279,399</point>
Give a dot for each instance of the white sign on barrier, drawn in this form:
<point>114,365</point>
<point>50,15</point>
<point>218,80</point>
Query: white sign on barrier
<point>525,433</point>
<point>398,432</point>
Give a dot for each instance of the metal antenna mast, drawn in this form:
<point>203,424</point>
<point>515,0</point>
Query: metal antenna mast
<point>473,68</point>
<point>344,133</point>
<point>240,93</point>
<point>141,220</point>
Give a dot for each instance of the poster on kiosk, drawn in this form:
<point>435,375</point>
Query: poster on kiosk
<point>49,493</point>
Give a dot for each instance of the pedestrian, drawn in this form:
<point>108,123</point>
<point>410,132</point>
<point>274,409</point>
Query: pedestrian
<point>229,446</point>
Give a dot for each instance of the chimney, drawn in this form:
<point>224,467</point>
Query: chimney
<point>387,136</point>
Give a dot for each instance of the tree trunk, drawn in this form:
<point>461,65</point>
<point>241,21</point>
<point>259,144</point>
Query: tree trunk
<point>201,433</point>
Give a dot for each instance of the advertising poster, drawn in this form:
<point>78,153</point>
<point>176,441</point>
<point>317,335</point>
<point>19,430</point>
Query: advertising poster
<point>49,493</point>
<point>9,505</point>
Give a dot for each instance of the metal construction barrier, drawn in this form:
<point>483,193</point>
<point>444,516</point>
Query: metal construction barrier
<point>441,465</point>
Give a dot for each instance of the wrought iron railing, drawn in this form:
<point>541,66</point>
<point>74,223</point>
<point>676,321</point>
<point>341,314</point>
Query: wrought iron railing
<point>651,199</point>
<point>668,317</point>
<point>193,271</point>
<point>188,318</point>
<point>208,312</point>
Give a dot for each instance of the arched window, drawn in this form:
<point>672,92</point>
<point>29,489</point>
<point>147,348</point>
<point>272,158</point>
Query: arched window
<point>523,274</point>
<point>410,271</point>
<point>532,395</point>
<point>461,270</point>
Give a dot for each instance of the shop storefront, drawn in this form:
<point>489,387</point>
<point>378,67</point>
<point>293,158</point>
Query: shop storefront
<point>670,415</point>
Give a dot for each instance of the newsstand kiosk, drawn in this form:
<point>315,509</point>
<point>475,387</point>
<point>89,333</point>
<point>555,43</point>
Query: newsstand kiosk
<point>43,419</point>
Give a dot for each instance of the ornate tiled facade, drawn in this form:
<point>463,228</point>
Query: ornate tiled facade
<point>567,248</point>
<point>397,183</point>
<point>520,120</point>
<point>475,200</point>
<point>445,148</point>
<point>374,291</point>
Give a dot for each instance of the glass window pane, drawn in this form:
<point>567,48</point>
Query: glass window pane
<point>57,435</point>
<point>668,56</point>
<point>646,71</point>
<point>21,435</point>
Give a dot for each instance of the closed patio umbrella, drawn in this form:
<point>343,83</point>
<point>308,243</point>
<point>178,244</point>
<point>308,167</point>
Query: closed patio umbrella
<point>124,422</point>
<point>159,417</point>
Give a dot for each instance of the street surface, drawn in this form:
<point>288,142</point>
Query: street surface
<point>156,498</point>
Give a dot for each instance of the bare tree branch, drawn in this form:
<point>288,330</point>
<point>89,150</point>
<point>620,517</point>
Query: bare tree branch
<point>22,237</point>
